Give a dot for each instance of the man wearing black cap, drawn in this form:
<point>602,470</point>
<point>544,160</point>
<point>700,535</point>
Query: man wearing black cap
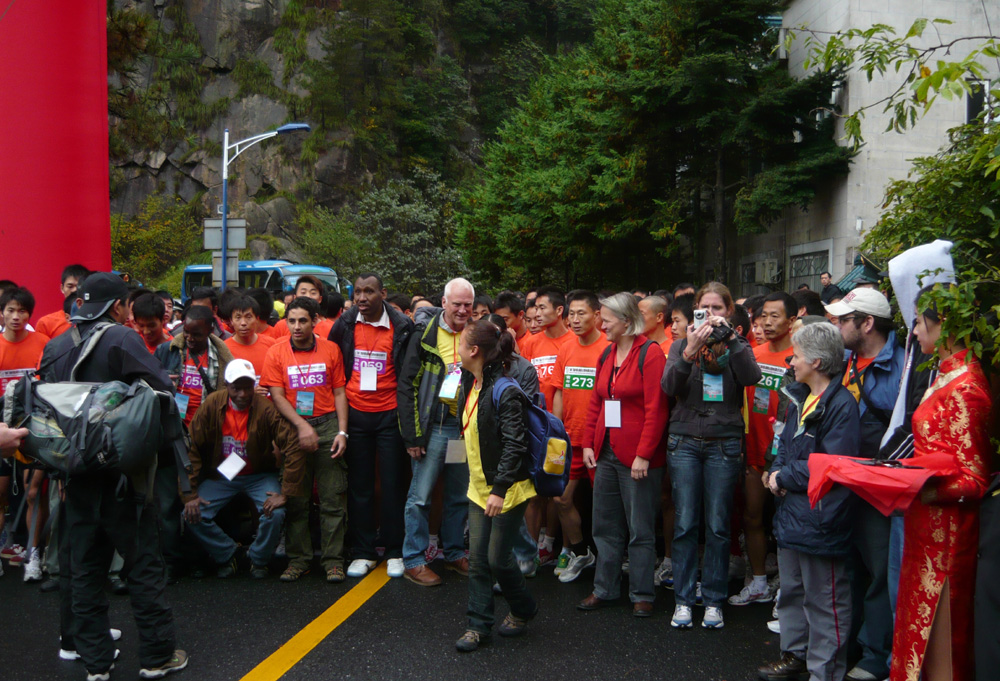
<point>98,516</point>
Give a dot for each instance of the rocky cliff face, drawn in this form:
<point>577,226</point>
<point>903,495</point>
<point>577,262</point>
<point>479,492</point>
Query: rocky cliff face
<point>225,36</point>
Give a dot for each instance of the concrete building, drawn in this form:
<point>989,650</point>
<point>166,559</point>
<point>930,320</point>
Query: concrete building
<point>826,237</point>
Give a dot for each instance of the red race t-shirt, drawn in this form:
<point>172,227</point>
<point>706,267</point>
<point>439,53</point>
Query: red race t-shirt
<point>53,324</point>
<point>373,348</point>
<point>317,372</point>
<point>234,436</point>
<point>762,403</point>
<point>20,359</point>
<point>542,351</point>
<point>255,353</point>
<point>191,385</point>
<point>574,373</point>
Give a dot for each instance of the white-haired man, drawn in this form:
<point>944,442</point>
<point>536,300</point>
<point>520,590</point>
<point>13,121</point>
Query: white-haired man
<point>427,390</point>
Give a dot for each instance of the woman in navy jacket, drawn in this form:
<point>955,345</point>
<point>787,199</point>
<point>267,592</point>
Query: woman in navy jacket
<point>814,607</point>
<point>624,441</point>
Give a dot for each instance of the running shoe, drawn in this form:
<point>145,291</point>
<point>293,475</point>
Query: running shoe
<point>577,564</point>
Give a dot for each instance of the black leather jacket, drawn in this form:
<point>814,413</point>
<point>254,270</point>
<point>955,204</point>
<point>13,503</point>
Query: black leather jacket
<point>503,441</point>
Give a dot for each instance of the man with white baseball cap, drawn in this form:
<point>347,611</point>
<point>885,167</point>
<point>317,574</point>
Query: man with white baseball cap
<point>873,375</point>
<point>233,438</point>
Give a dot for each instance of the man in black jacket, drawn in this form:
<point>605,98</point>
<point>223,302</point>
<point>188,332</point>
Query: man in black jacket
<point>372,337</point>
<point>99,516</point>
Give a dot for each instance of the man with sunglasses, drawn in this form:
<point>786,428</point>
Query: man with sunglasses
<point>873,374</point>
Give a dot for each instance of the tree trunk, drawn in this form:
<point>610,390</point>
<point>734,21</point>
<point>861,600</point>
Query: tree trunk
<point>721,256</point>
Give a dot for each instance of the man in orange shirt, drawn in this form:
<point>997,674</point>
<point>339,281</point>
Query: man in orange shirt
<point>778,313</point>
<point>246,342</point>
<point>20,352</point>
<point>656,317</point>
<point>148,312</point>
<point>572,381</point>
<point>372,337</point>
<point>542,348</point>
<point>305,375</point>
<point>510,307</point>
<point>56,323</point>
<point>308,286</point>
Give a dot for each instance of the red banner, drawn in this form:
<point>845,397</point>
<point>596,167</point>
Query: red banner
<point>54,207</point>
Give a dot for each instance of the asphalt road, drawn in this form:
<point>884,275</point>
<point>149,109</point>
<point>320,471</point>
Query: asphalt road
<point>401,632</point>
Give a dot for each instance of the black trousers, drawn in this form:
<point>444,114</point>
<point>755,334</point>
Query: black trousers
<point>101,518</point>
<point>375,440</point>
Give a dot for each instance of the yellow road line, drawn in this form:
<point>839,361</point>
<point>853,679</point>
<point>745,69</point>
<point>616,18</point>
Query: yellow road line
<point>286,657</point>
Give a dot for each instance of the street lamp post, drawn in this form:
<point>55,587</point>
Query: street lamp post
<point>238,148</point>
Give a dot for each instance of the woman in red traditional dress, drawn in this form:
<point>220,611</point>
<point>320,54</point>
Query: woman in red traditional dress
<point>933,634</point>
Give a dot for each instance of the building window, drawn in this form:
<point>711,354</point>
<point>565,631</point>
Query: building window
<point>806,268</point>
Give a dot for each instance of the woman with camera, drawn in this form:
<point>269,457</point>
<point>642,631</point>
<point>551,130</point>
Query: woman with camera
<point>707,374</point>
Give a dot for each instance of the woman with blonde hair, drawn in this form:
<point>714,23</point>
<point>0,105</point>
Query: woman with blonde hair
<point>623,441</point>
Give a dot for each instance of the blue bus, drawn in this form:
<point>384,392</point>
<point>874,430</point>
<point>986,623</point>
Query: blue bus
<point>277,276</point>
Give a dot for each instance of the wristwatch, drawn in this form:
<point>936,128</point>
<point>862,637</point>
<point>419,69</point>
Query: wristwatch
<point>344,434</point>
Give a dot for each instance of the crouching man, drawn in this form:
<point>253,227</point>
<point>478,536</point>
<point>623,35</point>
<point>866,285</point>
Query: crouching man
<point>234,437</point>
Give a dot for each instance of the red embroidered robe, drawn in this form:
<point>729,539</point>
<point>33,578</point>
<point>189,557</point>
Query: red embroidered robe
<point>942,535</point>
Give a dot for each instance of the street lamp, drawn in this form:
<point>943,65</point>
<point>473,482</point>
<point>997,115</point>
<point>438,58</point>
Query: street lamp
<point>238,148</point>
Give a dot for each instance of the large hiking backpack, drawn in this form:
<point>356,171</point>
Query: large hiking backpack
<point>77,427</point>
<point>548,444</point>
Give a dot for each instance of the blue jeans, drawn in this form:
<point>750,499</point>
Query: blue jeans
<point>491,557</point>
<point>218,493</point>
<point>525,548</point>
<point>703,476</point>
<point>418,501</point>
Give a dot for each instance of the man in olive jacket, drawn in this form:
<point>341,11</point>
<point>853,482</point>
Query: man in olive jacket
<point>233,438</point>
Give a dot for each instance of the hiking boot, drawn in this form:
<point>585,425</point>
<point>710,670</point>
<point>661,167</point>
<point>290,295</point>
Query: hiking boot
<point>513,625</point>
<point>335,575</point>
<point>577,564</point>
<point>258,571</point>
<point>788,668</point>
<point>422,576</point>
<point>228,569</point>
<point>470,641</point>
<point>177,662</point>
<point>293,572</point>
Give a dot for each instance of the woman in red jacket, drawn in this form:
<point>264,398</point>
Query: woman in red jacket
<point>624,441</point>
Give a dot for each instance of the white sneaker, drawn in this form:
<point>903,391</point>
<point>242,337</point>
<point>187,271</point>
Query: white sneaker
<point>562,561</point>
<point>360,567</point>
<point>713,618</point>
<point>115,634</point>
<point>664,573</point>
<point>33,568</point>
<point>749,595</point>
<point>529,568</point>
<point>681,618</point>
<point>774,627</point>
<point>577,564</point>
<point>106,676</point>
<point>395,567</point>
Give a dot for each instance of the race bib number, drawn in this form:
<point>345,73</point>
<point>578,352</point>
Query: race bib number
<point>11,375</point>
<point>579,378</point>
<point>306,377</point>
<point>232,446</point>
<point>191,378</point>
<point>544,366</point>
<point>379,361</point>
<point>771,377</point>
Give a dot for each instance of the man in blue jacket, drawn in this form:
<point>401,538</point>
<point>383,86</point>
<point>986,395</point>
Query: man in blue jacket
<point>873,374</point>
